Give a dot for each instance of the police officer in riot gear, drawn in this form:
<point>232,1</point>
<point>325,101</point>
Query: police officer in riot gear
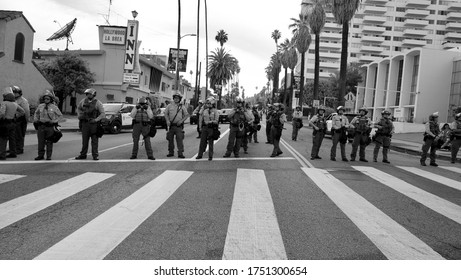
<point>318,122</point>
<point>278,119</point>
<point>90,112</point>
<point>362,128</point>
<point>175,115</point>
<point>8,110</point>
<point>142,116</point>
<point>208,121</point>
<point>456,137</point>
<point>297,122</point>
<point>237,120</point>
<point>431,132</point>
<point>383,136</point>
<point>270,110</point>
<point>339,126</point>
<point>21,120</point>
<point>196,112</point>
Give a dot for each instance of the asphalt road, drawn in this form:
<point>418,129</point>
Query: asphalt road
<point>253,207</point>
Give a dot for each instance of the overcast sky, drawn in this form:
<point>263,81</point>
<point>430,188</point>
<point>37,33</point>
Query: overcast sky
<point>248,23</point>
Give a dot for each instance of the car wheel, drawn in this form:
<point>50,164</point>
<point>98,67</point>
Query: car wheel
<point>115,128</point>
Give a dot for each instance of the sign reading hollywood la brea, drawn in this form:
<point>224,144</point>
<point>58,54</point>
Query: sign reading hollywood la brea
<point>115,35</point>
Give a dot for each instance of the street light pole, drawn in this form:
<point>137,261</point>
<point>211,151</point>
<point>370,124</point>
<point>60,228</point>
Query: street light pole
<point>178,44</point>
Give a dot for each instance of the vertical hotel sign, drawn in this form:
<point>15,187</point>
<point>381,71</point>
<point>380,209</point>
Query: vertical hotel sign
<point>131,39</point>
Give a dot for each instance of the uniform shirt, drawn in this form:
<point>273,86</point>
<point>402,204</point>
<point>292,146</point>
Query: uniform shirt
<point>456,128</point>
<point>148,111</point>
<point>170,113</point>
<point>382,122</point>
<point>314,120</point>
<point>209,115</point>
<point>99,107</point>
<point>9,109</point>
<point>356,121</point>
<point>24,105</point>
<point>428,131</point>
<point>338,121</point>
<point>47,114</point>
<point>297,114</point>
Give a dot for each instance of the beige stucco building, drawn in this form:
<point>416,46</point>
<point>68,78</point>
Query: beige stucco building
<point>16,48</point>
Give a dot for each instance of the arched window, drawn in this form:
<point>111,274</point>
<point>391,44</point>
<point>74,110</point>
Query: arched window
<point>19,47</point>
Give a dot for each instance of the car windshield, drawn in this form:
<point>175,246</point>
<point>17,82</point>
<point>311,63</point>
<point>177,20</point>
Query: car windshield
<point>111,108</point>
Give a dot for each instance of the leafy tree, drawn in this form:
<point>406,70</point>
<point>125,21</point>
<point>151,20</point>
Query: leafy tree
<point>354,76</point>
<point>222,67</point>
<point>68,73</point>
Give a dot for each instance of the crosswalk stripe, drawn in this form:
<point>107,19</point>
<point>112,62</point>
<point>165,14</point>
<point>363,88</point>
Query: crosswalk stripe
<point>7,177</point>
<point>21,207</point>
<point>439,205</point>
<point>253,232</point>
<point>452,169</point>
<point>100,236</point>
<point>394,241</point>
<point>434,177</point>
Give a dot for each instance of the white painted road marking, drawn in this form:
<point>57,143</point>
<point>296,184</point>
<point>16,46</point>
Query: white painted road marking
<point>253,232</point>
<point>439,205</point>
<point>21,207</point>
<point>394,241</point>
<point>434,177</point>
<point>99,237</point>
<point>452,168</point>
<point>7,177</point>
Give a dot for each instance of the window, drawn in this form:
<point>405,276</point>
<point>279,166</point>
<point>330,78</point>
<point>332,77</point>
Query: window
<point>441,22</point>
<point>19,47</point>
<point>443,13</point>
<point>163,87</point>
<point>388,28</point>
<point>400,9</point>
<point>440,32</point>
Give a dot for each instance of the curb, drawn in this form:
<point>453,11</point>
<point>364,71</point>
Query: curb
<point>418,153</point>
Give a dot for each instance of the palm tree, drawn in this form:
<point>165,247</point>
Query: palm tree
<point>316,16</point>
<point>222,67</point>
<point>284,48</point>
<point>275,67</point>
<point>343,11</point>
<point>276,34</point>
<point>303,40</point>
<point>292,61</point>
<point>221,37</point>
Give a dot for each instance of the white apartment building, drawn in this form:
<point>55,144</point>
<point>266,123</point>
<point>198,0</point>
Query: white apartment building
<point>386,28</point>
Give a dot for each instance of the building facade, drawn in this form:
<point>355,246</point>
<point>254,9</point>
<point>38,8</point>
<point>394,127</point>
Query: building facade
<point>412,86</point>
<point>386,28</point>
<point>16,48</point>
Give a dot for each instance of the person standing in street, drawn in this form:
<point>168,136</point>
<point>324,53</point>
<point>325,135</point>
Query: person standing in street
<point>175,115</point>
<point>21,120</point>
<point>297,122</point>
<point>362,129</point>
<point>319,123</point>
<point>383,136</point>
<point>46,118</point>
<point>90,112</point>
<point>142,116</point>
<point>456,135</point>
<point>237,120</point>
<point>209,121</point>
<point>431,132</point>
<point>8,109</point>
<point>270,111</point>
<point>254,126</point>
<point>278,119</point>
<point>247,126</point>
<point>197,114</point>
<point>339,126</point>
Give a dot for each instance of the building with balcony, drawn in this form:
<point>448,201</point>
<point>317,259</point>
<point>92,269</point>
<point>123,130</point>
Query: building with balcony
<point>387,28</point>
<point>412,86</point>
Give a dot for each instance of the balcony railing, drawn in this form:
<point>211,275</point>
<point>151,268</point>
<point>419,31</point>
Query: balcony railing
<point>420,3</point>
<point>415,32</point>
<point>453,25</point>
<point>371,28</point>
<point>415,12</point>
<point>452,35</point>
<point>369,18</point>
<point>377,39</point>
<point>416,22</point>
<point>374,9</point>
<point>414,42</point>
<point>454,15</point>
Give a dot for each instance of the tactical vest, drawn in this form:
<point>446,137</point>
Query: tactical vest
<point>434,128</point>
<point>237,118</point>
<point>386,127</point>
<point>141,116</point>
<point>362,125</point>
<point>458,133</point>
<point>276,119</point>
<point>89,109</point>
<point>321,123</point>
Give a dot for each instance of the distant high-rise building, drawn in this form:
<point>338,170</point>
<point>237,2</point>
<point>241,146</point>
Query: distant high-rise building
<point>385,28</point>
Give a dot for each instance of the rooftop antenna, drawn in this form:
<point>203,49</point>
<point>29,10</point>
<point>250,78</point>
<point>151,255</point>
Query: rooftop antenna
<point>64,32</point>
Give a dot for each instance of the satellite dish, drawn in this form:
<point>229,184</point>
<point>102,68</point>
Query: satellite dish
<point>64,32</point>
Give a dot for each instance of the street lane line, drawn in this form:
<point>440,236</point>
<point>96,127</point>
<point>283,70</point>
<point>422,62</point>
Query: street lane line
<point>253,232</point>
<point>302,160</point>
<point>439,205</point>
<point>109,149</point>
<point>100,236</point>
<point>7,177</point>
<point>21,207</point>
<point>214,143</point>
<point>434,177</point>
<point>452,168</point>
<point>392,239</point>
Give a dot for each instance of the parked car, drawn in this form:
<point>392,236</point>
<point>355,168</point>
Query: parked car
<point>160,118</point>
<point>118,117</point>
<point>223,115</point>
